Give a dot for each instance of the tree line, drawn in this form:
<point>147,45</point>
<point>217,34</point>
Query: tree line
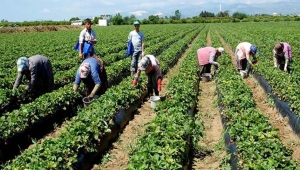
<point>203,17</point>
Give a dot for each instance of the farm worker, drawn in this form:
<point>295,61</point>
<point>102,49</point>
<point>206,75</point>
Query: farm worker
<point>208,56</point>
<point>282,55</point>
<point>90,73</point>
<point>150,65</point>
<point>242,56</point>
<point>87,35</point>
<point>137,39</point>
<point>38,70</point>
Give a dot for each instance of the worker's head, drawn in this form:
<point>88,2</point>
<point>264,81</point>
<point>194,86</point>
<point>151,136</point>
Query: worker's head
<point>22,64</point>
<point>278,48</point>
<point>84,70</point>
<point>219,51</point>
<point>144,63</point>
<point>136,25</point>
<point>253,49</point>
<point>88,24</point>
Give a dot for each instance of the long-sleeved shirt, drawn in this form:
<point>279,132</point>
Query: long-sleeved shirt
<point>137,39</point>
<point>243,51</point>
<point>287,51</point>
<point>39,69</point>
<point>153,66</point>
<point>94,75</point>
<point>286,54</point>
<point>206,55</point>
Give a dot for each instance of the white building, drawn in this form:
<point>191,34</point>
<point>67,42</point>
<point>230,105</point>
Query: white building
<point>103,22</point>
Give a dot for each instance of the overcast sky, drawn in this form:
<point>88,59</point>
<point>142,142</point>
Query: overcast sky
<point>56,10</point>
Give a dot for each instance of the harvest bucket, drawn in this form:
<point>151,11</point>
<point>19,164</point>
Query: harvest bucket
<point>87,101</point>
<point>154,100</point>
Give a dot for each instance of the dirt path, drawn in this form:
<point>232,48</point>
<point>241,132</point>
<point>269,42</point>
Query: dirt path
<point>288,138</point>
<point>213,143</point>
<point>118,156</point>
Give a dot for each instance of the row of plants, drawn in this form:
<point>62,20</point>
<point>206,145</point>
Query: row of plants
<point>168,138</point>
<point>15,97</point>
<point>84,132</point>
<point>10,127</point>
<point>286,90</point>
<point>59,45</point>
<point>257,143</point>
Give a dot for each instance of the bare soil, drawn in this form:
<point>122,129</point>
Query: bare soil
<point>118,156</point>
<point>26,29</point>
<point>288,138</point>
<point>212,145</point>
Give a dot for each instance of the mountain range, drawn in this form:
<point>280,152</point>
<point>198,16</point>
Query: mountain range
<point>188,10</point>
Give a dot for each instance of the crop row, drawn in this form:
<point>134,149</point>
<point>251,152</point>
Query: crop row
<point>284,85</point>
<point>82,133</point>
<point>118,69</point>
<point>252,142</point>
<point>168,138</point>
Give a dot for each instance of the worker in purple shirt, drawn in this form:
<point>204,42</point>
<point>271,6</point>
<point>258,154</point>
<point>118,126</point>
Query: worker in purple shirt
<point>38,70</point>
<point>89,73</point>
<point>282,55</point>
<point>208,56</point>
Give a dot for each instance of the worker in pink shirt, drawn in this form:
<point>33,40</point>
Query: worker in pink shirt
<point>208,56</point>
<point>242,56</point>
<point>282,55</point>
<point>150,65</point>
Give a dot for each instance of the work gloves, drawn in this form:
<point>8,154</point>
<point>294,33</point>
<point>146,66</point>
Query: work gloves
<point>159,84</point>
<point>135,81</point>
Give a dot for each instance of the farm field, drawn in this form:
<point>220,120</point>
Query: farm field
<point>228,123</point>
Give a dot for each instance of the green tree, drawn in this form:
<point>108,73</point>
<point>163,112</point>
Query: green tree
<point>132,18</point>
<point>206,14</point>
<point>239,15</point>
<point>153,19</point>
<point>126,20</point>
<point>223,14</point>
<point>117,19</point>
<point>177,15</point>
<point>96,20</point>
<point>74,18</point>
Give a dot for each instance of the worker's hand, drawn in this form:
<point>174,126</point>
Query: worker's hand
<point>80,55</point>
<point>218,65</point>
<point>285,69</point>
<point>91,96</point>
<point>159,87</point>
<point>134,82</point>
<point>143,54</point>
<point>75,87</point>
<point>275,65</point>
<point>251,64</point>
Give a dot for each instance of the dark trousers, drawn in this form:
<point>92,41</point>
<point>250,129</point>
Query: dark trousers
<point>205,69</point>
<point>152,83</point>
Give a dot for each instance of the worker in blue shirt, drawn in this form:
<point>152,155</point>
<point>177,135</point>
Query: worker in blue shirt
<point>90,73</point>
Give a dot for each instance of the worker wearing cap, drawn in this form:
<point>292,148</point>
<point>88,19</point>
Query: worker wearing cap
<point>150,65</point>
<point>208,56</point>
<point>282,55</point>
<point>137,39</point>
<point>38,70</point>
<point>242,56</point>
<point>87,35</point>
<point>89,72</point>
